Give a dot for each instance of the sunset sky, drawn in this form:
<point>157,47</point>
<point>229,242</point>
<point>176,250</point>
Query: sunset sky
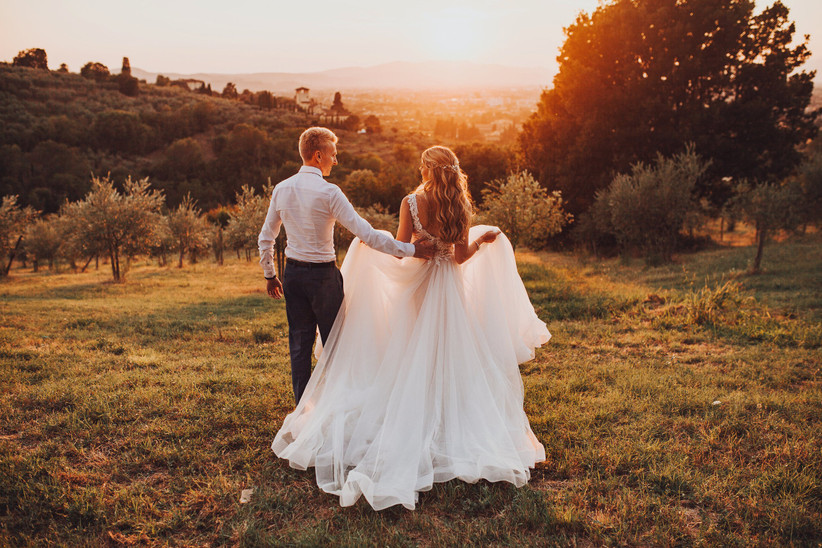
<point>242,36</point>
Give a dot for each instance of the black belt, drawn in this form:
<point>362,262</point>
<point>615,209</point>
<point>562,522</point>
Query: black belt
<point>295,262</point>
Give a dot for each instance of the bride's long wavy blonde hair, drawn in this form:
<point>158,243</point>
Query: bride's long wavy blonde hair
<point>448,191</point>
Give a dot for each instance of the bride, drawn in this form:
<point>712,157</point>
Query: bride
<point>418,381</point>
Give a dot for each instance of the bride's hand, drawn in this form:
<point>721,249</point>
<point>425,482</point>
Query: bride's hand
<point>489,236</point>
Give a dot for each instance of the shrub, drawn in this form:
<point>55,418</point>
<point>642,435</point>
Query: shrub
<point>646,209</point>
<point>707,305</point>
<point>524,210</point>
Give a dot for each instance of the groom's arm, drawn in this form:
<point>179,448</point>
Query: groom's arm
<point>265,241</point>
<point>344,212</point>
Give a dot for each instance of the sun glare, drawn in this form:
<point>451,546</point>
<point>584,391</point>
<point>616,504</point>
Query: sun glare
<point>454,34</point>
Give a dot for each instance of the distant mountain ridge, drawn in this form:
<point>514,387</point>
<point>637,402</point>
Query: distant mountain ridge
<point>397,75</point>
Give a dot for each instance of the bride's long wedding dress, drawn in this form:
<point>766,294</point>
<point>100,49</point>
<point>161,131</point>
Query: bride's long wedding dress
<point>419,381</point>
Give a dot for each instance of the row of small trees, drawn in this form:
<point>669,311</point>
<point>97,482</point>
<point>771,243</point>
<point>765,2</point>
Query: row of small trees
<point>646,210</point>
<point>121,225</point>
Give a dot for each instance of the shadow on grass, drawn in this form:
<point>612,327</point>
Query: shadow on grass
<point>557,298</point>
<point>184,320</point>
<point>73,292</point>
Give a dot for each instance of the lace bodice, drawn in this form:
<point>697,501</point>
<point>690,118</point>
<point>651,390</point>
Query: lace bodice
<point>445,251</point>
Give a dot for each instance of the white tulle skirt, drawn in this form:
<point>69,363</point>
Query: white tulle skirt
<point>419,380</point>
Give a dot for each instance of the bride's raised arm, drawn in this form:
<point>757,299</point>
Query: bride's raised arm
<point>406,228</point>
<point>464,250</point>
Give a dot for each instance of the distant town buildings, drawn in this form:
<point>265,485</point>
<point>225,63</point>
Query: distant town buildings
<point>302,97</point>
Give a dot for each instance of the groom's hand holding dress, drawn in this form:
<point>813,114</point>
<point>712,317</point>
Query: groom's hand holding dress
<point>424,248</point>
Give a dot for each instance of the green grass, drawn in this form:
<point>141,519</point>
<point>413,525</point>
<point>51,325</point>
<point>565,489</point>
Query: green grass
<point>136,413</point>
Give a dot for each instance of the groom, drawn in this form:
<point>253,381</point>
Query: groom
<point>308,206</point>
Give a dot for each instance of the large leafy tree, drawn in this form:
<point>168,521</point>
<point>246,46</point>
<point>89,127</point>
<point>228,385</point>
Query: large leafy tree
<point>484,164</point>
<point>32,58</point>
<point>641,77</point>
<point>96,71</point>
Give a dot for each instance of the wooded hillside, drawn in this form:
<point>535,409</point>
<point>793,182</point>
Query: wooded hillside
<point>57,127</point>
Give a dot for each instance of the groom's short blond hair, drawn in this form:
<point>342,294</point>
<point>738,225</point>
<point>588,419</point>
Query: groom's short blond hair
<point>315,139</point>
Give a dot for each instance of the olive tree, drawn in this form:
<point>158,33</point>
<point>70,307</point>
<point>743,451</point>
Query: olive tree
<point>246,219</point>
<point>523,209</point>
<point>124,224</point>
<point>769,207</point>
<point>14,220</point>
<point>42,241</point>
<point>189,229</point>
<point>647,208</point>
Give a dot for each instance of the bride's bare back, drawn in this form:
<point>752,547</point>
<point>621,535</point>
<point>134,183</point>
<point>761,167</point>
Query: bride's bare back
<point>428,218</point>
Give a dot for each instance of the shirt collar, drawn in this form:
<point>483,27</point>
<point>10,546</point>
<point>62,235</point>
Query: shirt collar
<point>311,169</point>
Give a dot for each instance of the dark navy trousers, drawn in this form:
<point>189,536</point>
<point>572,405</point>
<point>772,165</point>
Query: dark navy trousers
<point>313,296</point>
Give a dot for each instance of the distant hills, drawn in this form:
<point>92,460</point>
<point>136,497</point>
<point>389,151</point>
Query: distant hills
<point>398,75</point>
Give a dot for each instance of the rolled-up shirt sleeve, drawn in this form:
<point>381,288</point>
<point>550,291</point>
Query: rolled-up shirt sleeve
<point>265,241</point>
<point>347,216</point>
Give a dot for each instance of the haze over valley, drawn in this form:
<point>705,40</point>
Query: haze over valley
<point>439,75</point>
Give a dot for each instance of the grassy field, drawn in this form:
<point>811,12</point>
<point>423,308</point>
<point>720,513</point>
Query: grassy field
<point>678,405</point>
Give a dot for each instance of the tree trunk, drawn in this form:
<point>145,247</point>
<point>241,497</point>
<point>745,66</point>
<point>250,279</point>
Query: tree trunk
<point>761,236</point>
<point>218,249</point>
<point>115,262</point>
<point>88,262</point>
<point>34,265</point>
<point>182,252</point>
<point>11,256</point>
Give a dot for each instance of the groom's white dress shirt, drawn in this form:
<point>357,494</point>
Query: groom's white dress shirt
<point>309,205</point>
